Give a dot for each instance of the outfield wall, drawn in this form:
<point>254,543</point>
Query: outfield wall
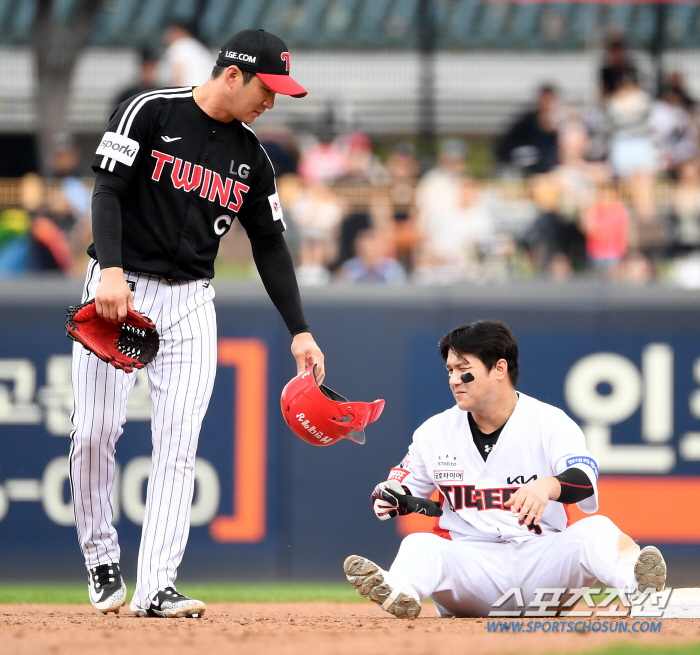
<point>624,362</point>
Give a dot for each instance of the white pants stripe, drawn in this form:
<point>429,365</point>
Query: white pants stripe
<point>181,379</point>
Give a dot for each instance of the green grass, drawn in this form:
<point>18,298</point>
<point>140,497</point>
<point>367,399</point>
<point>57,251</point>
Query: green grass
<point>691,648</point>
<point>76,594</point>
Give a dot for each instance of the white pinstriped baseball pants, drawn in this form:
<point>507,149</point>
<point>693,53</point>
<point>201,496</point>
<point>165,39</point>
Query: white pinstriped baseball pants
<point>180,378</point>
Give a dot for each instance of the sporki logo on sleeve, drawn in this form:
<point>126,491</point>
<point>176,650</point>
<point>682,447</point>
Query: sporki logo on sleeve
<point>119,147</point>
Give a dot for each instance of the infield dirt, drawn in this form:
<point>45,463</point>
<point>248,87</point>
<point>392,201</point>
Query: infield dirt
<point>290,629</point>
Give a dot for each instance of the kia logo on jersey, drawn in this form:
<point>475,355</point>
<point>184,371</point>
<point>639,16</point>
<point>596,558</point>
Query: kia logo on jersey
<point>190,177</point>
<point>520,479</point>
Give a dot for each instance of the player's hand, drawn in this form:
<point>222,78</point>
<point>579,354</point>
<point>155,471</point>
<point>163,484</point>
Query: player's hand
<point>306,352</point>
<point>113,296</point>
<point>530,500</point>
<point>384,504</point>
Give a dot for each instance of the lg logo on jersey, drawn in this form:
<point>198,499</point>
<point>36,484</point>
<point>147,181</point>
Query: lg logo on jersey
<point>190,177</point>
<point>243,170</point>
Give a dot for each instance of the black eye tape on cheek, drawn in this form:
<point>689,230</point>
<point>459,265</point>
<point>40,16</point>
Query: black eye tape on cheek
<point>467,377</point>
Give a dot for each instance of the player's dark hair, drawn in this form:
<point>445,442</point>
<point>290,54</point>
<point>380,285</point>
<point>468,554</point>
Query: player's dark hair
<point>217,70</point>
<point>487,340</point>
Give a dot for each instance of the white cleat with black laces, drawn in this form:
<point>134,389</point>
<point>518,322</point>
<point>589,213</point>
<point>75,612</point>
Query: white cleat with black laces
<point>106,588</point>
<point>169,603</point>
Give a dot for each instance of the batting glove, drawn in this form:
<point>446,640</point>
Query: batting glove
<point>384,502</point>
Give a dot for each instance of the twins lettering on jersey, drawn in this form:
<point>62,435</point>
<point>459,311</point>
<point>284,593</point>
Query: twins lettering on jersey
<point>190,177</point>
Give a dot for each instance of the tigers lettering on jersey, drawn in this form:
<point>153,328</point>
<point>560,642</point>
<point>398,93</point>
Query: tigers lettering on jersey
<point>189,177</point>
<point>469,497</point>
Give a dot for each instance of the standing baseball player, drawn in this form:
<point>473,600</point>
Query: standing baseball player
<point>176,167</point>
<point>506,465</point>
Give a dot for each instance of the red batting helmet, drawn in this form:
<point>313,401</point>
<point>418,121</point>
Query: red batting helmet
<point>320,416</point>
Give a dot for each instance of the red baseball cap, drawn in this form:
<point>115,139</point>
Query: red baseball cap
<point>265,55</point>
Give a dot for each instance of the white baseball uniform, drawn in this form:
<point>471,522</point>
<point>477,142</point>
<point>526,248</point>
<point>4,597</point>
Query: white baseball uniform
<point>479,550</point>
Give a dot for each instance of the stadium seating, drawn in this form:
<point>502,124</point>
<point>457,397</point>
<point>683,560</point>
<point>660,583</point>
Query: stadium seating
<point>386,24</point>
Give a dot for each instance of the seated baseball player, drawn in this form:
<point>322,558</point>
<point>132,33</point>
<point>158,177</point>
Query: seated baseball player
<point>506,465</point>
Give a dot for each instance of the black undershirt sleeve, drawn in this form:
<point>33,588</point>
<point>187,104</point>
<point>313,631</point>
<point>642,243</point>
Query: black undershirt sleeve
<point>107,218</point>
<point>575,486</point>
<point>274,263</point>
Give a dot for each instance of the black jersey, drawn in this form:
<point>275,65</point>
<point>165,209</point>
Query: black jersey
<point>189,177</point>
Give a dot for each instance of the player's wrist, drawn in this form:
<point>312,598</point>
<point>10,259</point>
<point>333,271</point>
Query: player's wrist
<point>112,273</point>
<point>553,488</point>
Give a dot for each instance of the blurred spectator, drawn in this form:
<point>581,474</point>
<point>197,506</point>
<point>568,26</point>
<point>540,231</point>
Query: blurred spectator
<point>633,156</point>
<point>685,208</point>
<point>403,169</point>
<point>15,242</point>
<point>186,61</point>
<point>280,144</point>
<point>68,203</point>
<point>362,166</point>
<point>605,225</point>
<point>438,196</point>
<point>530,144</point>
<point>370,263</point>
<point>66,167</point>
<point>321,161</point>
<point>677,83</point>
<point>453,249</point>
<point>148,70</point>
<point>616,68</point>
<point>438,191</point>
<point>635,268</point>
<point>675,131</point>
<point>556,242</point>
<point>577,177</point>
<point>364,204</point>
<point>30,241</point>
<point>316,214</point>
